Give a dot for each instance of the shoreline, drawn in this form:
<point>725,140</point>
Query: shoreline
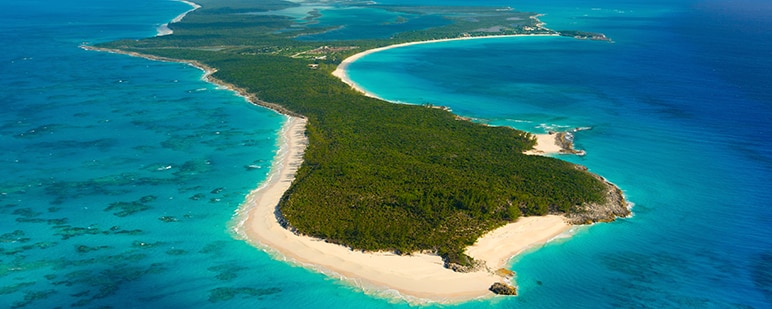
<point>208,77</point>
<point>164,29</point>
<point>415,278</point>
<point>341,73</point>
<point>546,144</point>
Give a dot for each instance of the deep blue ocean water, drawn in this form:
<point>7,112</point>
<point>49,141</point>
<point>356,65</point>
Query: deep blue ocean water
<point>680,107</point>
<point>122,175</point>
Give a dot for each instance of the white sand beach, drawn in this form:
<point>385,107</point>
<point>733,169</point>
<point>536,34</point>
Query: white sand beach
<point>545,144</point>
<point>497,247</point>
<point>340,71</point>
<point>416,278</point>
<point>165,30</point>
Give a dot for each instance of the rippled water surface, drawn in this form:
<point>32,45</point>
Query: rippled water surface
<point>122,175</point>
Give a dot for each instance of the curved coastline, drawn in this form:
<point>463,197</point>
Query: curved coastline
<point>545,143</point>
<point>165,30</point>
<point>341,73</point>
<point>417,277</point>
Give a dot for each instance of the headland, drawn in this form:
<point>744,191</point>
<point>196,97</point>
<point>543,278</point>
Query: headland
<point>416,277</point>
<point>419,276</point>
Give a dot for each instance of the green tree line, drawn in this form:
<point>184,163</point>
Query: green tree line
<point>377,175</point>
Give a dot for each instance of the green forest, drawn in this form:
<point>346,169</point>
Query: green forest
<point>378,175</point>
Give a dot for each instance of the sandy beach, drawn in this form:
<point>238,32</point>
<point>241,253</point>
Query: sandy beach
<point>164,29</point>
<point>497,247</point>
<point>340,71</point>
<point>416,278</point>
<point>545,145</point>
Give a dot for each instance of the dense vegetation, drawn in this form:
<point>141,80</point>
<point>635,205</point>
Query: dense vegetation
<point>376,175</point>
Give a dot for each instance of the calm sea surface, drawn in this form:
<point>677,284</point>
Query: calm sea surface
<point>122,175</point>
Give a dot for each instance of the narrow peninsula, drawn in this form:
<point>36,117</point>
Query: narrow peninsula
<point>400,200</point>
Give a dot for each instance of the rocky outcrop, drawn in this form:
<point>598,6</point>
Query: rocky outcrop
<point>473,267</point>
<point>583,35</point>
<point>566,142</point>
<point>505,273</point>
<point>503,289</point>
<point>614,207</point>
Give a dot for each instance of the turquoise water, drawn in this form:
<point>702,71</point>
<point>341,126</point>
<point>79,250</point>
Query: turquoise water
<point>680,110</point>
<point>122,175</point>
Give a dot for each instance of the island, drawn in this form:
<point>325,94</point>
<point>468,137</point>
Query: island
<point>400,200</point>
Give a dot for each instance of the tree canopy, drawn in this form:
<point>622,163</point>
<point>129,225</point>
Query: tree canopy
<point>378,175</point>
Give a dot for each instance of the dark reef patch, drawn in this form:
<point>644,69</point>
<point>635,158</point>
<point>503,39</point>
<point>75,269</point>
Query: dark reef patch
<point>223,294</point>
<point>123,209</point>
<point>226,272</point>
<point>762,274</point>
